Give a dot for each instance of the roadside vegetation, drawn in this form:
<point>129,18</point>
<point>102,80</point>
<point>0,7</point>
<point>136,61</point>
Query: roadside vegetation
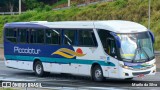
<point>133,10</point>
<point>7,89</point>
<point>61,3</point>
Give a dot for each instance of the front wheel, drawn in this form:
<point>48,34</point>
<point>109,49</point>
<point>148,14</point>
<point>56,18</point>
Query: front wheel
<point>128,78</point>
<point>97,73</point>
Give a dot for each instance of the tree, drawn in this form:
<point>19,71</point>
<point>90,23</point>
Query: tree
<point>9,5</point>
<point>2,5</point>
<point>12,5</point>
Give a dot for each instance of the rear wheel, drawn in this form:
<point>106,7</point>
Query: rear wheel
<point>38,69</point>
<point>97,73</point>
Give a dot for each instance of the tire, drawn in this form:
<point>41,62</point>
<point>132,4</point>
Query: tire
<point>97,74</point>
<point>38,69</point>
<point>128,78</point>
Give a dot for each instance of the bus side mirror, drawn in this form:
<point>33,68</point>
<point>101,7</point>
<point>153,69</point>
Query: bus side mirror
<point>117,39</point>
<point>152,36</point>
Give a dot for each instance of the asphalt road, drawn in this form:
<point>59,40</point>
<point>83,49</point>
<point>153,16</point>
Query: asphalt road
<point>65,81</point>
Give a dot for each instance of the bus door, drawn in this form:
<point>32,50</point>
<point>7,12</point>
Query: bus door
<point>112,58</point>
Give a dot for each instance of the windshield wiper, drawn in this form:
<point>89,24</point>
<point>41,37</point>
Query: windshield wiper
<point>145,53</point>
<point>140,49</point>
<point>135,54</point>
<point>140,45</point>
<point>125,59</point>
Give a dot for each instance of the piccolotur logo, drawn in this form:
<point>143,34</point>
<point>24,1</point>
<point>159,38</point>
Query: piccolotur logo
<point>26,50</point>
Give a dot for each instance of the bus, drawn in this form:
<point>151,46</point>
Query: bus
<point>98,49</point>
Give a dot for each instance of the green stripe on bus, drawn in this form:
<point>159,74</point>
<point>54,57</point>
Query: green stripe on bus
<point>57,60</point>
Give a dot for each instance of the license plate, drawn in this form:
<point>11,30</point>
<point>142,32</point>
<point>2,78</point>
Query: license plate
<point>140,75</point>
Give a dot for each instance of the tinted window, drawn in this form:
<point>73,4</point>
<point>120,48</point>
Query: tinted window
<point>11,34</point>
<point>69,37</point>
<point>52,36</point>
<point>27,37</point>
<point>33,36</point>
<point>87,38</point>
<point>40,36</point>
<point>108,42</point>
<point>22,35</point>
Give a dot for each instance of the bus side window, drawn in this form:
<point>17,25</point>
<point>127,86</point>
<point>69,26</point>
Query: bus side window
<point>40,36</point>
<point>52,36</point>
<point>33,36</point>
<point>108,42</point>
<point>22,35</point>
<point>28,36</point>
<point>11,34</point>
<point>111,47</point>
<point>87,38</point>
<point>69,37</point>
<point>48,36</point>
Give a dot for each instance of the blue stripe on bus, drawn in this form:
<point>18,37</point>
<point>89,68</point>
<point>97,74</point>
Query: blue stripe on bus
<point>57,60</point>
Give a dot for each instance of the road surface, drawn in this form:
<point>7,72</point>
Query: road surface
<point>65,81</point>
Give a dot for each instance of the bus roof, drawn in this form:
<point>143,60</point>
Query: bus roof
<point>117,26</point>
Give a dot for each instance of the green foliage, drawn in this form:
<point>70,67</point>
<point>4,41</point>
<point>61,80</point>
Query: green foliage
<point>7,89</point>
<point>120,3</point>
<point>31,4</point>
<point>1,32</point>
<point>60,2</point>
<point>48,8</point>
<point>133,10</point>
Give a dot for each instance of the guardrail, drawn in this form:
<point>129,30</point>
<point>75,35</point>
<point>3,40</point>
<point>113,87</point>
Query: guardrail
<point>9,13</point>
<point>157,53</point>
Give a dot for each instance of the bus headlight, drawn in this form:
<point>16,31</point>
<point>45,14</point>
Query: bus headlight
<point>153,65</point>
<point>123,66</point>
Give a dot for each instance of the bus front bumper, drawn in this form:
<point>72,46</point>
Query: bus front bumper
<point>127,73</point>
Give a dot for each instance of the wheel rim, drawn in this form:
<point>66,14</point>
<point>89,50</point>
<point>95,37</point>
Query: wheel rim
<point>38,69</point>
<point>98,73</point>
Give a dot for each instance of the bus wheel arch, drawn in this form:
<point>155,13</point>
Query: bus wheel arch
<point>97,72</point>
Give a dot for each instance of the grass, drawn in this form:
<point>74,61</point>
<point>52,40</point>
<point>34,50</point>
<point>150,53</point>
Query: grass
<point>132,10</point>
<point>7,89</point>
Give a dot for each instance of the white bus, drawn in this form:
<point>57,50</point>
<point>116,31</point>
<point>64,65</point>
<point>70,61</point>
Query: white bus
<point>99,49</point>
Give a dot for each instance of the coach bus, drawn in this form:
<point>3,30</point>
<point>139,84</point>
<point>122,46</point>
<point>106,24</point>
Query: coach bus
<point>99,49</point>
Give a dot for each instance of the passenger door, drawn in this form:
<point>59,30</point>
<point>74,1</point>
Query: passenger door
<point>112,52</point>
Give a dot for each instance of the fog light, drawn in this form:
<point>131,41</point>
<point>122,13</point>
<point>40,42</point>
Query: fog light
<point>154,71</point>
<point>126,74</point>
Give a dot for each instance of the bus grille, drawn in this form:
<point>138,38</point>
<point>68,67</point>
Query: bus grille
<point>138,73</point>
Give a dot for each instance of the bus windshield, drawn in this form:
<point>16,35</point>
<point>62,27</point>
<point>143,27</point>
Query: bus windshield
<point>136,47</point>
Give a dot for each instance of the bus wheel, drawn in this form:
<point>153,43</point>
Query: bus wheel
<point>38,69</point>
<point>97,73</point>
<point>128,78</point>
